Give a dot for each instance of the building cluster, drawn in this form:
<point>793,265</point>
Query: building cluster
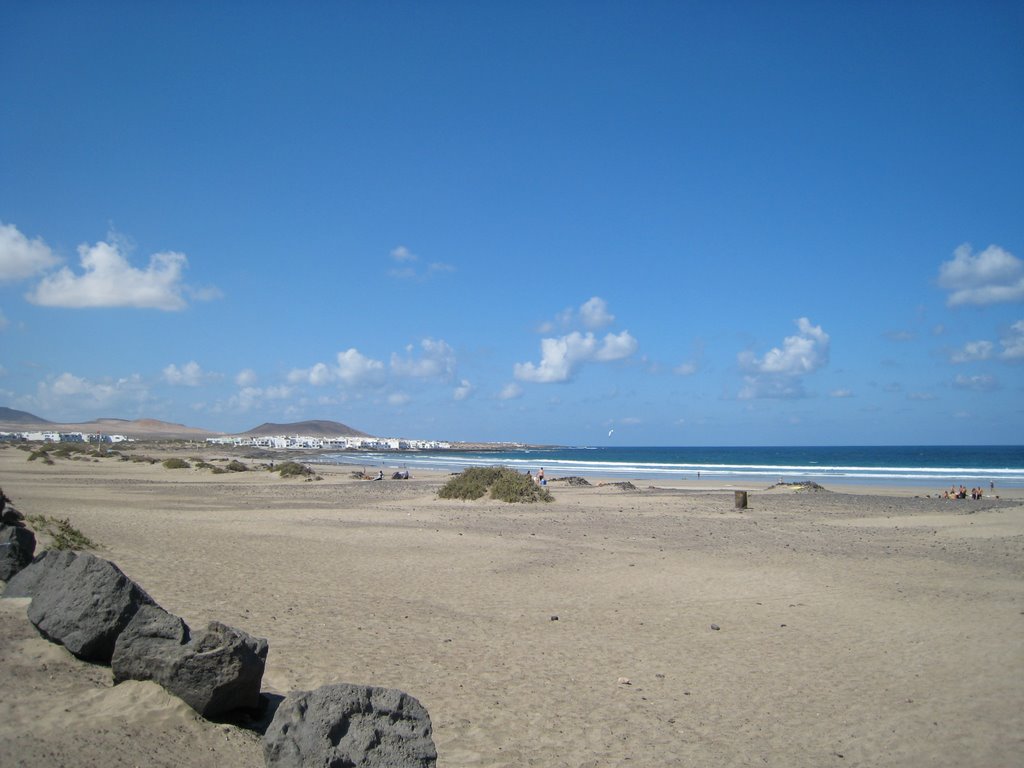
<point>50,436</point>
<point>331,443</point>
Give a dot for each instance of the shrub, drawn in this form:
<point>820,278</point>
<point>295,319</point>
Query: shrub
<point>40,454</point>
<point>503,483</point>
<point>176,464</point>
<point>236,466</point>
<point>293,469</point>
<point>62,533</point>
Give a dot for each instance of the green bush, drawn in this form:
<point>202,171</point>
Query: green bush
<point>293,469</point>
<point>176,464</point>
<point>503,484</point>
<point>236,466</point>
<point>41,454</point>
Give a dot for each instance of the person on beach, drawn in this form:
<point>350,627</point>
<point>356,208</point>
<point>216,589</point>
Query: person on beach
<point>380,475</point>
<point>540,477</point>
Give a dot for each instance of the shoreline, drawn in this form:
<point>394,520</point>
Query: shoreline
<point>880,627</point>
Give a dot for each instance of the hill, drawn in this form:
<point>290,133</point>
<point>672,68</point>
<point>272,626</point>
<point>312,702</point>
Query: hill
<point>11,416</point>
<point>140,429</point>
<point>316,428</point>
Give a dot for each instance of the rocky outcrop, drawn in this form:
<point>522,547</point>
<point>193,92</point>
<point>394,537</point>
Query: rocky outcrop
<point>214,670</point>
<point>79,601</point>
<point>17,546</point>
<point>350,725</point>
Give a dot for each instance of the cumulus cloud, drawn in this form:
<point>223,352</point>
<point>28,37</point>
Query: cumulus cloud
<point>189,375</point>
<point>20,257</point>
<point>70,392</point>
<point>685,369</point>
<point>993,276</point>
<point>108,280</point>
<point>463,390</point>
<point>249,398</point>
<point>510,392</point>
<point>436,361</point>
<point>246,377</point>
<point>971,351</point>
<point>1013,343</point>
<point>561,357</point>
<point>592,314</point>
<point>779,374</point>
<point>351,368</point>
<point>398,398</point>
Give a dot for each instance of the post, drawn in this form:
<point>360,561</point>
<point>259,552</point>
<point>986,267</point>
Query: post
<point>741,499</point>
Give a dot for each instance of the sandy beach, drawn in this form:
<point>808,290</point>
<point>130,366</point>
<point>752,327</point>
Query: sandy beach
<point>650,627</point>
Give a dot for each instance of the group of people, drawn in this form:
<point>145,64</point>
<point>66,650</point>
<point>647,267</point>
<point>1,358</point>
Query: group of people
<point>539,479</point>
<point>961,493</point>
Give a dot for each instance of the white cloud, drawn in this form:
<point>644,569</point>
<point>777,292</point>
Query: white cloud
<point>978,383</point>
<point>108,280</point>
<point>76,393</point>
<point>398,398</point>
<point>510,392</point>
<point>437,361</point>
<point>685,369</point>
<point>1013,343</point>
<point>840,393</point>
<point>972,350</point>
<point>189,375</point>
<point>401,254</point>
<point>246,377</point>
<point>991,277</point>
<point>561,357</point>
<point>352,369</point>
<point>21,257</point>
<point>463,391</point>
<point>594,313</point>
<point>779,373</point>
<point>408,270</point>
<point>249,398</point>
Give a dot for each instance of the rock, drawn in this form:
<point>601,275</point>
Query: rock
<point>214,670</point>
<point>17,546</point>
<point>11,516</point>
<point>79,601</point>
<point>350,725</point>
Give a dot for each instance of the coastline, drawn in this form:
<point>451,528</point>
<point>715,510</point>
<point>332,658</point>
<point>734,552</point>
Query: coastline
<point>860,626</point>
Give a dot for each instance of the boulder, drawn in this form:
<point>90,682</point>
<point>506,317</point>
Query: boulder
<point>79,600</point>
<point>350,725</point>
<point>17,546</point>
<point>214,670</point>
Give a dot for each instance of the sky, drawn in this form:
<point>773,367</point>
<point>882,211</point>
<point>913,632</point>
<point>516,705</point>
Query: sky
<point>589,223</point>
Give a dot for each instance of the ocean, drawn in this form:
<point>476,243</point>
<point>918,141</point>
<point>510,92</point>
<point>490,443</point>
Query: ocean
<point>938,466</point>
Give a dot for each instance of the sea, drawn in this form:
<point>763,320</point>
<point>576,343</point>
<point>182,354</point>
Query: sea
<point>937,466</point>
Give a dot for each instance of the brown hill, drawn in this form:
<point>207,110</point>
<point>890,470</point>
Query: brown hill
<point>139,429</point>
<point>315,428</point>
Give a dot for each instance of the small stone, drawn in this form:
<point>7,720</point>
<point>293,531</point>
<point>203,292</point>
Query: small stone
<point>624,681</point>
<point>715,627</point>
<point>554,618</point>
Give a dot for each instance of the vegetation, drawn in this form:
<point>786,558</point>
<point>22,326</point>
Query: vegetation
<point>294,469</point>
<point>502,483</point>
<point>176,464</point>
<point>41,454</point>
<point>236,466</point>
<point>63,535</point>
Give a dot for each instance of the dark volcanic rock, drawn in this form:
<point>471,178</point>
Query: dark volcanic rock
<point>350,725</point>
<point>17,546</point>
<point>214,670</point>
<point>78,600</point>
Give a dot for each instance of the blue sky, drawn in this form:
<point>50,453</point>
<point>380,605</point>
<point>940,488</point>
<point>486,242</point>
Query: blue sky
<point>693,223</point>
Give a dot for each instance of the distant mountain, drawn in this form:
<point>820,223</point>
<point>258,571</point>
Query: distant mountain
<point>11,416</point>
<point>140,429</point>
<point>318,428</point>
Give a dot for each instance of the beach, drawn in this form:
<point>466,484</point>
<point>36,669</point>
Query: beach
<point>655,626</point>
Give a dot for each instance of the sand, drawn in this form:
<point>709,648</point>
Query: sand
<point>813,629</point>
